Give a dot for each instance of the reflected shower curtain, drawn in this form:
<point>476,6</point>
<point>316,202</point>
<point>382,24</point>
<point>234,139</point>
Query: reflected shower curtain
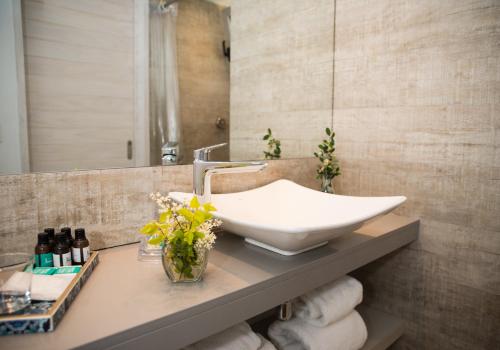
<point>165,127</point>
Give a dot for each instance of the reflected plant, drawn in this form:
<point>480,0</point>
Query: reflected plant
<point>329,165</point>
<point>273,146</point>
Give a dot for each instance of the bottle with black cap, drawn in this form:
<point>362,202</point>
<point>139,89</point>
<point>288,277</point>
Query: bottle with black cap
<point>69,237</point>
<point>52,236</point>
<point>61,253</point>
<point>80,248</point>
<point>43,251</point>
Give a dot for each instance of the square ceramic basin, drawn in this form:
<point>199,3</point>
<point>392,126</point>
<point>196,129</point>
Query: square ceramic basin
<point>289,219</point>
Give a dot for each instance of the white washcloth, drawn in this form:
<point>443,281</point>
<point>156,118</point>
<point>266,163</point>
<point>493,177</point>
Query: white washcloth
<point>43,287</point>
<point>49,287</point>
<point>17,282</point>
<point>329,303</point>
<point>239,337</point>
<point>348,333</point>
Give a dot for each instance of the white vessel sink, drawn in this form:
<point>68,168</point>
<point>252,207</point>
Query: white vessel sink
<point>289,219</point>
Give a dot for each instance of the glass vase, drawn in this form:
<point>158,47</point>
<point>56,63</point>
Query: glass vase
<point>149,252</point>
<point>191,273</point>
<point>326,185</point>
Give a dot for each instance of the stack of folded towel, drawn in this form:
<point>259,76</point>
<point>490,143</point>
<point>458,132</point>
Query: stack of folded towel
<point>324,319</point>
<point>239,337</point>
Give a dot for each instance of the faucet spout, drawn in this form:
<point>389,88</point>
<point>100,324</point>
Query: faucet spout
<point>204,169</point>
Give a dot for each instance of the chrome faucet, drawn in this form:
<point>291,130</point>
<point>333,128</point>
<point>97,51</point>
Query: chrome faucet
<point>203,169</point>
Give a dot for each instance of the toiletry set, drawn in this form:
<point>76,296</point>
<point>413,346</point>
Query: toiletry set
<point>48,282</point>
<point>56,250</point>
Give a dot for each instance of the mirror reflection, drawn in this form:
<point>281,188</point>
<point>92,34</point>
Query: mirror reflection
<point>106,84</point>
<point>189,79</point>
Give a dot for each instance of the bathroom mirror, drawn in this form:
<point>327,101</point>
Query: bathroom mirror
<point>110,84</point>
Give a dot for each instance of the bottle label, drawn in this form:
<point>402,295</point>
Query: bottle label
<point>78,252</point>
<point>44,260</point>
<point>62,259</point>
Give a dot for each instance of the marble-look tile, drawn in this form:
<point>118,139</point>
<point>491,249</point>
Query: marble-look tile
<point>415,113</point>
<point>112,204</point>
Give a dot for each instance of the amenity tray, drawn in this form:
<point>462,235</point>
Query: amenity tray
<point>41,317</point>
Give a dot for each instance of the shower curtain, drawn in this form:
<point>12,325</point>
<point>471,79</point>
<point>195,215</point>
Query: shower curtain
<point>165,127</point>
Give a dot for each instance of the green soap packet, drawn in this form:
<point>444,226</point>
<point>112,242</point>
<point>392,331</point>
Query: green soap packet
<point>44,270</point>
<point>56,270</point>
<point>67,269</point>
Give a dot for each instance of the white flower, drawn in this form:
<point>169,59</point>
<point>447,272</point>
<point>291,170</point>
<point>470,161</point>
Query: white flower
<point>205,243</point>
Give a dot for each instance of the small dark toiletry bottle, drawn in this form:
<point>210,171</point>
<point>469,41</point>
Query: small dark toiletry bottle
<point>52,236</point>
<point>80,249</point>
<point>69,237</point>
<point>43,251</point>
<point>62,255</point>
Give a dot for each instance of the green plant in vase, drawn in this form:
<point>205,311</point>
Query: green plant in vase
<point>186,233</point>
<point>329,165</point>
<point>273,146</point>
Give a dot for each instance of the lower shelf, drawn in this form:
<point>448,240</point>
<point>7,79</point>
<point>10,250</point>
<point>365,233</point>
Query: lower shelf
<point>383,329</point>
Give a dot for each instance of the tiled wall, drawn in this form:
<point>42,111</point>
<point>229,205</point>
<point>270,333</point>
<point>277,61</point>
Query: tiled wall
<point>111,204</point>
<point>281,75</point>
<point>417,112</point>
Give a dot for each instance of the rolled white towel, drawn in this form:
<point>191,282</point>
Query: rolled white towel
<point>266,344</point>
<point>238,337</point>
<point>348,333</point>
<point>330,302</point>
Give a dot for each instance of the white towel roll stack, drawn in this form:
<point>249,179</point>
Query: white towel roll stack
<point>324,319</point>
<point>330,302</point>
<point>239,337</point>
<point>347,334</point>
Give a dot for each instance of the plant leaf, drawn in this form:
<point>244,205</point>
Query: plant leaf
<point>198,235</point>
<point>209,207</point>
<point>149,229</point>
<point>195,204</point>
<point>188,214</point>
<point>155,240</point>
<point>199,217</point>
<point>188,237</point>
<point>163,216</point>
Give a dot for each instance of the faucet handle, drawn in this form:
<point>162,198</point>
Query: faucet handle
<point>202,153</point>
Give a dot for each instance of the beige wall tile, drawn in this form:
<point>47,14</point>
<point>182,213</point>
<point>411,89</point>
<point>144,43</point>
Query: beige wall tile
<point>414,111</point>
<point>111,204</point>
